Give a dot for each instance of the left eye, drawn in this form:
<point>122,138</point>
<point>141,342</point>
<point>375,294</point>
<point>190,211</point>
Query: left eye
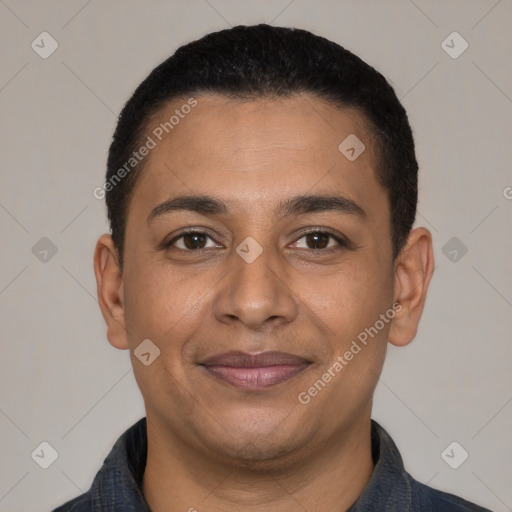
<point>320,240</point>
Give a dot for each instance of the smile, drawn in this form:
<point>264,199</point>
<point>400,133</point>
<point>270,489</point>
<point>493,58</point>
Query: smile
<point>255,371</point>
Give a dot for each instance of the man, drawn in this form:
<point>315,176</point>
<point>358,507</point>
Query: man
<point>261,191</point>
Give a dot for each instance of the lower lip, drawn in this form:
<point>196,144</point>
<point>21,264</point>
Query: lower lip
<point>255,378</point>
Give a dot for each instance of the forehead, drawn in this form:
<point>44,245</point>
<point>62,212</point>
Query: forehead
<point>253,151</point>
<point>301,123</point>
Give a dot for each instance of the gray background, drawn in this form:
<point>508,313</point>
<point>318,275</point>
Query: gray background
<point>60,380</point>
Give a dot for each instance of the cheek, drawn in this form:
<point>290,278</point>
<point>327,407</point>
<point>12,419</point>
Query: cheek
<point>158,295</point>
<point>350,299</point>
<point>170,308</point>
<point>349,308</point>
<point>168,313</point>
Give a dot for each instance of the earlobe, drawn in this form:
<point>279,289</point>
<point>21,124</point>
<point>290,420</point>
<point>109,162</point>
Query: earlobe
<point>413,270</point>
<point>109,284</point>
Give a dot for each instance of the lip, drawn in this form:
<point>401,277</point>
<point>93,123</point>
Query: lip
<point>255,371</point>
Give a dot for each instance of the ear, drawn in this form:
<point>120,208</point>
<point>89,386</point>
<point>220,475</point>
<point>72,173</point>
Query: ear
<point>109,283</point>
<point>414,267</point>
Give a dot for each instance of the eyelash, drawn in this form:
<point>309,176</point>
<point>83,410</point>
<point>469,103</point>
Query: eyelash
<point>341,243</point>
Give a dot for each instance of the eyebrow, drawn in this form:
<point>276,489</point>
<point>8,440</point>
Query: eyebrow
<point>302,204</point>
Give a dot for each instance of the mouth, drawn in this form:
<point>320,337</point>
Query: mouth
<point>254,371</point>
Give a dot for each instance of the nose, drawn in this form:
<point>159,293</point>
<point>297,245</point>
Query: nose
<point>256,293</point>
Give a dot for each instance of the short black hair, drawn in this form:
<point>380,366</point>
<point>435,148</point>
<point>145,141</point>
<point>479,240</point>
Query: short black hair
<point>262,61</point>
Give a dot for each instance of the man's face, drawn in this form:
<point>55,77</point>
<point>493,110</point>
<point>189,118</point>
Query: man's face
<point>197,296</point>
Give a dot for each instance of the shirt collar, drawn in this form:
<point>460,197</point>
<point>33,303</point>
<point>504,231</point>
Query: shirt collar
<point>118,484</point>
<point>119,481</point>
<point>389,487</point>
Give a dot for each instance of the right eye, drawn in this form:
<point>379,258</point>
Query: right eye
<point>191,241</point>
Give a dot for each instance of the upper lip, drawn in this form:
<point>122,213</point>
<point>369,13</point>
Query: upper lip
<point>246,360</point>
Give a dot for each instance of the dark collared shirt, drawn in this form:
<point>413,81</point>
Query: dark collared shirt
<point>117,485</point>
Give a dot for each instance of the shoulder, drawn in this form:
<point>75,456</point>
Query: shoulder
<point>399,490</point>
<point>117,483</point>
<point>81,503</point>
<point>434,500</point>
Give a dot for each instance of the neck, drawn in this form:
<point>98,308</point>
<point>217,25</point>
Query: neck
<point>330,477</point>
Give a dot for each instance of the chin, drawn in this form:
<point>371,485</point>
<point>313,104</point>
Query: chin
<point>260,448</point>
<point>260,457</point>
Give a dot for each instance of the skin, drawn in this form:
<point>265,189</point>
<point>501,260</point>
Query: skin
<point>213,446</point>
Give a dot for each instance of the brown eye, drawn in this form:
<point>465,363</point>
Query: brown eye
<point>318,240</point>
<point>192,241</point>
